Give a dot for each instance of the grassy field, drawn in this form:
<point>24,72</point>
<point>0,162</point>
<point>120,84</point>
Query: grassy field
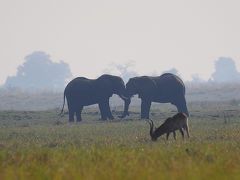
<point>40,145</point>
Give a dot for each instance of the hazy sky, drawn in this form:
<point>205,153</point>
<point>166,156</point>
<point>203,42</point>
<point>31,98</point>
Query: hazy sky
<point>159,35</point>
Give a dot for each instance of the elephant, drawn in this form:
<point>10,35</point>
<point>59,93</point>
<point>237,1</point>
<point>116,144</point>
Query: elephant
<point>82,92</point>
<point>167,88</point>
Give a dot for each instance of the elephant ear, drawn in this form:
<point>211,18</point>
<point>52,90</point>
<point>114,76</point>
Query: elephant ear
<point>104,85</point>
<point>146,87</point>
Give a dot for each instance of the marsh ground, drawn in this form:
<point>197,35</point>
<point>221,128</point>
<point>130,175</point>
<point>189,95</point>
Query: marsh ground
<point>40,145</point>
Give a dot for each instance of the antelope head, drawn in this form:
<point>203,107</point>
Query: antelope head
<point>152,134</point>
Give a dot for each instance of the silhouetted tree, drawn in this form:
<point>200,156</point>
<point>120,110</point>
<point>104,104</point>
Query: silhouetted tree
<point>39,72</point>
<point>225,70</point>
<point>197,79</point>
<point>125,71</point>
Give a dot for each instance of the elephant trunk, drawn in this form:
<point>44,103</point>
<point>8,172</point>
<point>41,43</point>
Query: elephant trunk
<point>126,106</point>
<point>123,97</point>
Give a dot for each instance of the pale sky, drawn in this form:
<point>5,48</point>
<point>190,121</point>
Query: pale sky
<point>89,35</point>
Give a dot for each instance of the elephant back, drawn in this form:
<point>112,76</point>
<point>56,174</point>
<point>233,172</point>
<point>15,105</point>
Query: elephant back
<point>79,86</point>
<point>169,84</point>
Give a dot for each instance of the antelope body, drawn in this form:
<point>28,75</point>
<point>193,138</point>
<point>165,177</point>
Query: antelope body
<point>177,122</point>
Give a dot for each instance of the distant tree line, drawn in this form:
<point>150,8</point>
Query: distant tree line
<point>40,72</point>
<point>226,71</point>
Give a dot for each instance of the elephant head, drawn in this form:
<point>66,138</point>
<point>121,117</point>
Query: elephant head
<point>144,86</point>
<point>112,85</point>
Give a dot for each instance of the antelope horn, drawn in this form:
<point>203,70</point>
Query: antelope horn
<point>151,127</point>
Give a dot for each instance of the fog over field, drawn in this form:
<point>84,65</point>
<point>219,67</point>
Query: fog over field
<point>39,83</point>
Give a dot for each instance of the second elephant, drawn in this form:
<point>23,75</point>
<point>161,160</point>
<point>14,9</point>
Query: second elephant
<point>167,88</point>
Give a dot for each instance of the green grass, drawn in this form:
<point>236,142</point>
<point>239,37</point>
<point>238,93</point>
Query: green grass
<point>39,145</point>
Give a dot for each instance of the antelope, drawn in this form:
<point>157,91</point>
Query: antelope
<point>171,124</point>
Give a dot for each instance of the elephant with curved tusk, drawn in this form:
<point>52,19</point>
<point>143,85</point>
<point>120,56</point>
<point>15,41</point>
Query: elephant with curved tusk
<point>82,92</point>
<point>167,88</point>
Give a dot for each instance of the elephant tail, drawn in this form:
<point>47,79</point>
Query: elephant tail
<point>61,113</point>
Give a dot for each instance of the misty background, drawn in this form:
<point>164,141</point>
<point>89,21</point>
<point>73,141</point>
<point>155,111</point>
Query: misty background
<point>44,44</point>
<point>90,35</point>
<point>39,83</point>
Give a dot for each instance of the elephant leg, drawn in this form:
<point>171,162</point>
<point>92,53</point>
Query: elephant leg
<point>108,110</point>
<point>71,115</point>
<point>181,105</point>
<point>109,113</point>
<point>182,108</point>
<point>70,110</point>
<point>78,114</point>
<point>145,109</point>
<point>103,111</point>
<point>126,106</point>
